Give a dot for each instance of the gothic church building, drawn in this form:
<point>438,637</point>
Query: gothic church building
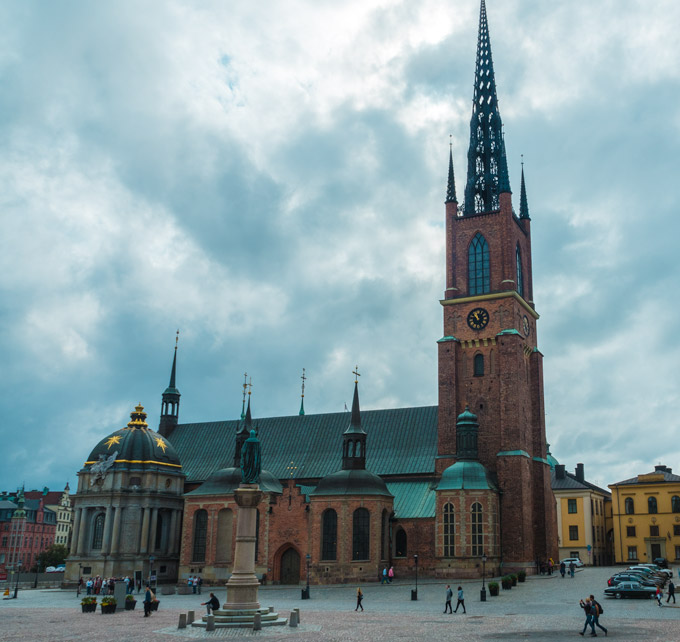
<point>347,494</point>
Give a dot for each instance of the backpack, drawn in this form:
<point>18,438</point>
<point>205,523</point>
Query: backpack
<point>600,610</point>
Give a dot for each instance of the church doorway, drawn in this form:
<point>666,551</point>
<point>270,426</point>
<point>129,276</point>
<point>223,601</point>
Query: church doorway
<point>290,567</point>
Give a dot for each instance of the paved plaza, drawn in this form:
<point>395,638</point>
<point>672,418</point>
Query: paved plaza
<point>543,608</point>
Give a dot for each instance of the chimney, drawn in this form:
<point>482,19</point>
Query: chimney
<point>580,475</point>
<point>559,471</point>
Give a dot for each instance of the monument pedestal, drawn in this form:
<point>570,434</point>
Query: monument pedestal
<point>242,601</point>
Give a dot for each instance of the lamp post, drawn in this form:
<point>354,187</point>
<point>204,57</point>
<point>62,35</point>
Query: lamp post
<point>414,594</point>
<point>18,571</point>
<point>80,574</point>
<point>482,596</point>
<point>305,593</point>
<point>37,570</point>
<point>151,559</point>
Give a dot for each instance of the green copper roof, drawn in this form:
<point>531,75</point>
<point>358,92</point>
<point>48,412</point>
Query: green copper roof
<point>223,482</point>
<point>523,204</point>
<point>445,339</point>
<point>513,453</point>
<point>451,185</point>
<point>466,475</point>
<point>402,441</point>
<point>351,482</point>
<point>509,331</point>
<point>413,500</point>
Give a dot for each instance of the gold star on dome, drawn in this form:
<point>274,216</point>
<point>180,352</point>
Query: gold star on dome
<point>161,444</point>
<point>112,440</point>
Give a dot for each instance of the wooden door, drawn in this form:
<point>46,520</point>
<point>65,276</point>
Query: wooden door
<point>290,567</point>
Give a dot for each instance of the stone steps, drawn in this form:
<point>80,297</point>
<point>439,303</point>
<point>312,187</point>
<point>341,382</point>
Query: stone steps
<point>242,622</point>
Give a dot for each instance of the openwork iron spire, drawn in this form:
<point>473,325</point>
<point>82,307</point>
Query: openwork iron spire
<point>523,204</point>
<point>487,175</point>
<point>451,185</point>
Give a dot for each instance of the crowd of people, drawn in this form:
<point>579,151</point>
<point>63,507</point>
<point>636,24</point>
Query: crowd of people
<point>105,586</point>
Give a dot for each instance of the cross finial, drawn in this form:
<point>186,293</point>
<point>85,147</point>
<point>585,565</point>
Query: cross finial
<point>245,387</point>
<point>304,378</point>
<point>250,386</point>
<point>522,155</point>
<point>450,141</point>
<point>177,338</point>
<point>356,374</point>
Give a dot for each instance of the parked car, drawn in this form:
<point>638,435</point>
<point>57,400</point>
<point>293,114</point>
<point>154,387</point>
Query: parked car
<point>647,572</point>
<point>61,568</point>
<point>577,562</point>
<point>50,569</point>
<point>657,569</point>
<point>660,561</point>
<point>630,589</point>
<point>617,579</point>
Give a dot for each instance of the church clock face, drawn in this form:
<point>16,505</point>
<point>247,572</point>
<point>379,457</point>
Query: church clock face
<point>525,326</point>
<point>478,318</point>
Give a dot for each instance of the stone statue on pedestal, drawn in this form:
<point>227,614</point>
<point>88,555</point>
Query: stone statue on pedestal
<point>250,460</point>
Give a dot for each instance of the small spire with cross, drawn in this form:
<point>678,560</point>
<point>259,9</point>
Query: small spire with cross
<point>356,374</point>
<point>302,396</point>
<point>245,387</point>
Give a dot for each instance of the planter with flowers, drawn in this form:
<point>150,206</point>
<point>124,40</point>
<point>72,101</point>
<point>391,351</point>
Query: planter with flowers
<point>89,604</point>
<point>109,604</point>
<point>154,604</point>
<point>130,602</point>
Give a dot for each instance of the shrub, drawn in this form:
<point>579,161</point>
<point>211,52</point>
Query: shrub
<point>493,588</point>
<point>513,579</point>
<point>88,599</point>
<point>109,600</point>
<point>130,598</point>
<point>521,576</point>
<point>506,582</point>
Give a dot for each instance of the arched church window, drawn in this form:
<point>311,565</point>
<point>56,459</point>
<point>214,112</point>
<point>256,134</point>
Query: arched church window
<point>360,534</point>
<point>520,278</point>
<point>478,266</point>
<point>477,530</point>
<point>675,504</point>
<point>479,365</point>
<point>329,535</point>
<point>449,531</point>
<point>98,532</point>
<point>400,543</point>
<point>225,527</point>
<point>651,504</point>
<point>200,535</point>
<point>630,506</point>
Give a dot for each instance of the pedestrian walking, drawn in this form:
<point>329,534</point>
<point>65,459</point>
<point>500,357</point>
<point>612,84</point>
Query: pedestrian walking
<point>449,596</point>
<point>148,598</point>
<point>595,611</point>
<point>587,607</point>
<point>199,584</point>
<point>658,595</point>
<point>461,600</point>
<point>384,576</point>
<point>550,565</point>
<point>572,568</point>
<point>212,604</point>
<point>390,574</point>
<point>360,596</point>
<point>563,569</point>
<point>671,591</point>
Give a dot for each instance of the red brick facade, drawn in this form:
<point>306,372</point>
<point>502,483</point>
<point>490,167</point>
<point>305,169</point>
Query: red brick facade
<point>507,396</point>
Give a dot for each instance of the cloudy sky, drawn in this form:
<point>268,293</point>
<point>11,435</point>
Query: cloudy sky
<point>269,178</point>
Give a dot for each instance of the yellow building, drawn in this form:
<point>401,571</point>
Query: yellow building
<point>582,526</point>
<point>646,513</point>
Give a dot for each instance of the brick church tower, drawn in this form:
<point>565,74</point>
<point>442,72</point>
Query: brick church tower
<point>488,357</point>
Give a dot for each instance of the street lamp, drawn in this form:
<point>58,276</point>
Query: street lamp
<point>414,594</point>
<point>482,596</point>
<point>37,570</point>
<point>80,575</point>
<point>305,592</point>
<point>151,559</point>
<point>18,571</point>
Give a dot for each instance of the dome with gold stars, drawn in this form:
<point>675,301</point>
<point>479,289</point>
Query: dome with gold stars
<point>135,447</point>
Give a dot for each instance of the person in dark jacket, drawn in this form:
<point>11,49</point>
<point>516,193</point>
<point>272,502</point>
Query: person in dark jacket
<point>212,604</point>
<point>671,592</point>
<point>449,595</point>
<point>563,569</point>
<point>148,598</point>
<point>595,612</point>
<point>587,607</point>
<point>461,600</point>
<point>360,597</point>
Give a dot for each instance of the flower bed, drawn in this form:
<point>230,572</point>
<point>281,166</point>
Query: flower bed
<point>109,605</point>
<point>89,604</point>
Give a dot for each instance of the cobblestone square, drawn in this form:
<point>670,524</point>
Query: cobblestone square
<point>543,608</point>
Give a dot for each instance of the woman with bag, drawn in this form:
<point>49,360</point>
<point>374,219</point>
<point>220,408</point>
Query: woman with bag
<point>360,596</point>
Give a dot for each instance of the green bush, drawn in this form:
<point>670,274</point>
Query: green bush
<point>493,588</point>
<point>506,582</point>
<point>89,599</point>
<point>513,579</point>
<point>109,600</point>
<point>521,576</point>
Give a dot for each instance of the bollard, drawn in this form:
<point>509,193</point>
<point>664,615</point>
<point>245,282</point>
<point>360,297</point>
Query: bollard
<point>293,619</point>
<point>297,612</point>
<point>191,616</point>
<point>210,624</point>
<point>182,621</point>
<point>257,622</point>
